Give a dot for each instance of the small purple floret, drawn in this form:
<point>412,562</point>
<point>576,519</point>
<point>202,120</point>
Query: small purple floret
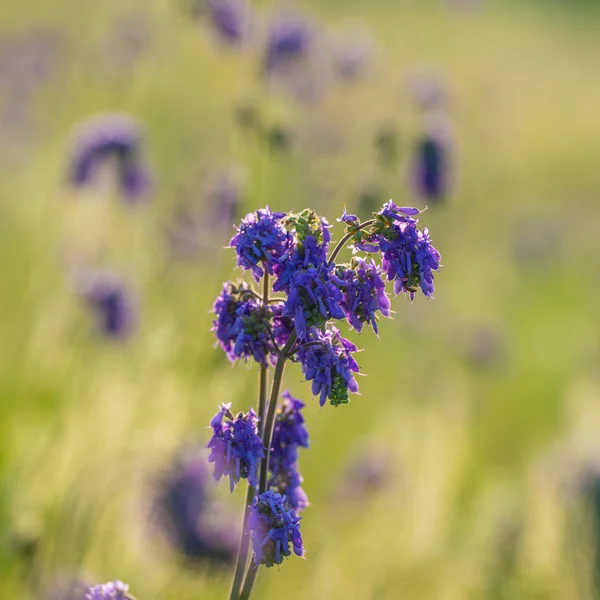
<point>363,292</point>
<point>289,434</point>
<point>236,448</point>
<point>273,527</point>
<point>326,360</point>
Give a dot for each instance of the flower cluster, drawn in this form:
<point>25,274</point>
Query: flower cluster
<point>363,293</point>
<point>326,360</point>
<point>289,435</point>
<point>408,256</point>
<point>262,240</point>
<point>273,527</point>
<point>115,590</point>
<point>244,327</point>
<point>230,19</point>
<point>312,291</point>
<point>236,448</point>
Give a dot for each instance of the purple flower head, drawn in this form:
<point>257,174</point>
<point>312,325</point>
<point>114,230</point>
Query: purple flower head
<point>187,515</point>
<point>289,39</point>
<point>111,137</point>
<point>273,527</point>
<point>363,293</point>
<point>115,590</point>
<point>230,19</point>
<point>431,169</point>
<point>409,257</point>
<point>111,301</point>
<point>243,325</point>
<point>326,360</point>
<point>348,219</point>
<point>289,434</point>
<point>313,298</point>
<point>236,448</point>
<point>262,241</point>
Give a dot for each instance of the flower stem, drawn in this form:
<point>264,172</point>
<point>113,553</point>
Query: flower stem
<point>272,410</point>
<point>341,243</point>
<point>267,435</point>
<point>242,558</point>
<point>262,394</point>
<point>250,578</point>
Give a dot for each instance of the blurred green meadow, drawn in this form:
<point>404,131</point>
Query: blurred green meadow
<point>485,401</point>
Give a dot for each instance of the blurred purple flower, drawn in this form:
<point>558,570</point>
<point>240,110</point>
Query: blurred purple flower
<point>111,137</point>
<point>273,527</point>
<point>431,168</point>
<point>112,302</point>
<point>230,19</point>
<point>187,515</point>
<point>116,590</point>
<point>289,39</point>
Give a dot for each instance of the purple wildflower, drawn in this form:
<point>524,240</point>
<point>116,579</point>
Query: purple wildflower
<point>230,19</point>
<point>187,515</point>
<point>313,298</point>
<point>431,167</point>
<point>289,434</point>
<point>282,326</point>
<point>117,137</point>
<point>112,302</point>
<point>289,40</point>
<point>409,257</point>
<point>236,448</point>
<point>115,590</point>
<point>262,238</point>
<point>327,361</point>
<point>243,325</point>
<point>273,526</point>
<point>363,292</point>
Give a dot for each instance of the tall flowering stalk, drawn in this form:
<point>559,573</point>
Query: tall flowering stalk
<point>313,291</point>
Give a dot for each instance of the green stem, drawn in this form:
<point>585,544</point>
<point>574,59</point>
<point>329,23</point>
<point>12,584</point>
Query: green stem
<point>250,578</point>
<point>242,558</point>
<point>341,243</point>
<point>272,411</point>
<point>267,436</point>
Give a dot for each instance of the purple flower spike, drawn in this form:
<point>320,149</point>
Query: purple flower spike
<point>327,361</point>
<point>262,242</point>
<point>117,137</point>
<point>115,590</point>
<point>273,527</point>
<point>236,448</point>
<point>289,434</point>
<point>363,292</point>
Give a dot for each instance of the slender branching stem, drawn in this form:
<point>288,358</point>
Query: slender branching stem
<point>244,546</point>
<point>267,435</point>
<point>250,578</point>
<point>262,395</point>
<point>272,410</point>
<point>341,243</point>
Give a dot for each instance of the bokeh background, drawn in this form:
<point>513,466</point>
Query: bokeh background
<point>469,466</point>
